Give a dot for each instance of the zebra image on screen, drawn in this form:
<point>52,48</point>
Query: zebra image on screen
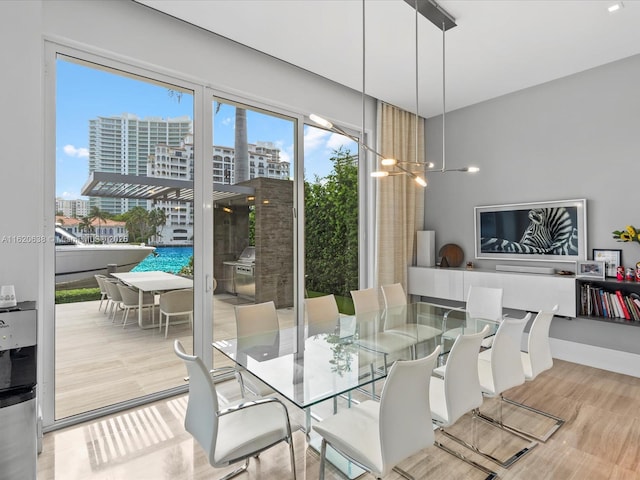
<point>549,231</point>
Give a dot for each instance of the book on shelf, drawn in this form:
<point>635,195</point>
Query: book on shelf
<point>599,301</point>
<point>633,309</point>
<point>623,305</point>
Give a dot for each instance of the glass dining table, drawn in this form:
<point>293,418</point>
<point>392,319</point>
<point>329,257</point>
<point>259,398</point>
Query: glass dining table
<point>353,353</point>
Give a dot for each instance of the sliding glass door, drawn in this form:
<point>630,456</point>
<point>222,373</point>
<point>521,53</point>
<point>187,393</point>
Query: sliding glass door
<point>148,184</point>
<point>123,203</point>
<point>331,215</point>
<point>254,226</point>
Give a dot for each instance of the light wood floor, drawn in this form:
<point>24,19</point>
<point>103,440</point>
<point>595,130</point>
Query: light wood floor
<point>99,363</point>
<point>600,439</point>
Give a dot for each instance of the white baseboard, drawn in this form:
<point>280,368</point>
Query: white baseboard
<point>597,357</point>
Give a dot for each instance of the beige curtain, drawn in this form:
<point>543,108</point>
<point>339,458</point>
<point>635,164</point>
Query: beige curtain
<point>400,200</point>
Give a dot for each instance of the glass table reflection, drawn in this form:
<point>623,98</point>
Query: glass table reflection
<point>349,355</point>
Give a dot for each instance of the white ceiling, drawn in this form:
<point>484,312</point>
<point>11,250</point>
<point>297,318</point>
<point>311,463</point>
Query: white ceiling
<point>497,47</point>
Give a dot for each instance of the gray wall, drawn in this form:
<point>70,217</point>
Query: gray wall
<point>575,137</point>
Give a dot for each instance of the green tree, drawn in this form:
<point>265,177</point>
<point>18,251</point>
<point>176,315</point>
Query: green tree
<point>101,216</point>
<point>85,225</point>
<point>157,219</point>
<point>143,224</point>
<point>331,227</point>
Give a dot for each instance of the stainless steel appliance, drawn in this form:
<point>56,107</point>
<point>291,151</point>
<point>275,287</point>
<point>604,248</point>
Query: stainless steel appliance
<point>240,274</point>
<point>18,414</point>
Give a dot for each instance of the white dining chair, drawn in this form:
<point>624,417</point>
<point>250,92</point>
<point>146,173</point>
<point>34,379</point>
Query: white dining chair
<point>104,295</point>
<point>175,303</point>
<point>131,301</point>
<point>395,316</point>
<point>371,335</point>
<point>483,304</point>
<point>377,436</point>
<point>458,392</point>
<point>536,360</point>
<point>257,330</point>
<point>394,295</point>
<point>365,300</point>
<point>322,314</point>
<point>499,369</point>
<point>115,299</point>
<point>236,432</point>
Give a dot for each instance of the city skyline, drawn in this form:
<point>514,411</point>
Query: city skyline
<point>84,93</point>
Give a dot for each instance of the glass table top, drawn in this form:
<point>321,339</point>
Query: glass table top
<point>341,356</point>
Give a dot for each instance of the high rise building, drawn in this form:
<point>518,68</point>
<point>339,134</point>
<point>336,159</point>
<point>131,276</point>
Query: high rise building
<point>77,208</point>
<point>123,144</point>
<point>264,161</point>
<point>175,163</point>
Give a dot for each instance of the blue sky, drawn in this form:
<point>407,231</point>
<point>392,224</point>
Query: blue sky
<point>84,93</point>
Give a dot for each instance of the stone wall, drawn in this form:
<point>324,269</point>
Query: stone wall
<point>274,240</point>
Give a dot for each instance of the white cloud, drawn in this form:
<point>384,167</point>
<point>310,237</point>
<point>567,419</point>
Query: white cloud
<point>336,141</point>
<point>70,195</point>
<point>227,121</point>
<point>315,138</point>
<point>286,152</point>
<point>72,151</point>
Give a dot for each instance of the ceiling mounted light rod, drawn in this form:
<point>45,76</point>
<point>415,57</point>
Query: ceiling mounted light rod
<point>433,12</point>
<point>419,179</point>
<point>443,26</point>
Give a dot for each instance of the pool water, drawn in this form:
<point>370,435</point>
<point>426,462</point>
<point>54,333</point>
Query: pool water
<point>167,259</point>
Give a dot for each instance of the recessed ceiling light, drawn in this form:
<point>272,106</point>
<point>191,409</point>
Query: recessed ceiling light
<point>615,7</point>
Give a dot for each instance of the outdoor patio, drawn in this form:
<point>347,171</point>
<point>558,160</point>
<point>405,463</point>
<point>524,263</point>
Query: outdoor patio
<point>98,363</point>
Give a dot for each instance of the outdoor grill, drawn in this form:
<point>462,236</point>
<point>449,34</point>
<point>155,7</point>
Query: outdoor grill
<point>240,274</point>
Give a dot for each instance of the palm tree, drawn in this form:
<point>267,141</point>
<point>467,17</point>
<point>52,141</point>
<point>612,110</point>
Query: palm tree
<point>241,147</point>
<point>157,219</point>
<point>100,215</point>
<point>85,225</point>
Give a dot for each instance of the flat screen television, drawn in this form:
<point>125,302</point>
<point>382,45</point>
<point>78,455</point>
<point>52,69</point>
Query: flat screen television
<point>539,231</point>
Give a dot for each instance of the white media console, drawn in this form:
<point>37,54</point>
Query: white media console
<point>521,291</point>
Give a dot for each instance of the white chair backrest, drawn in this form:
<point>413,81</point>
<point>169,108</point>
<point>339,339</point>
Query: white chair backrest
<point>538,343</point>
<point>367,310</point>
<point>506,366</point>
<point>201,420</point>
<point>461,383</point>
<point>129,295</point>
<point>365,301</point>
<point>100,279</point>
<point>322,314</point>
<point>256,318</point>
<point>484,302</point>
<point>177,301</point>
<point>113,291</point>
<point>394,295</point>
<point>405,412</point>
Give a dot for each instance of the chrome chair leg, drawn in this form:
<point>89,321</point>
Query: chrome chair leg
<point>540,438</point>
<point>237,471</point>
<point>403,473</point>
<point>292,456</point>
<point>491,475</point>
<point>503,463</point>
<point>323,454</point>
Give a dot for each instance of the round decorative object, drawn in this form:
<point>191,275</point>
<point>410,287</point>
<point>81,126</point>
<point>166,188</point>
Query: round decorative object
<point>453,255</point>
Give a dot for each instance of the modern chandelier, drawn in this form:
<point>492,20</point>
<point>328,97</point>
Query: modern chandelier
<point>414,169</point>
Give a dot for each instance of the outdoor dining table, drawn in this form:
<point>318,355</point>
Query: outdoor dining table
<point>152,282</point>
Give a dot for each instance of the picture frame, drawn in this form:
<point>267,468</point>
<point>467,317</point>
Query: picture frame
<point>539,231</point>
<point>611,258</point>
<point>590,269</point>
